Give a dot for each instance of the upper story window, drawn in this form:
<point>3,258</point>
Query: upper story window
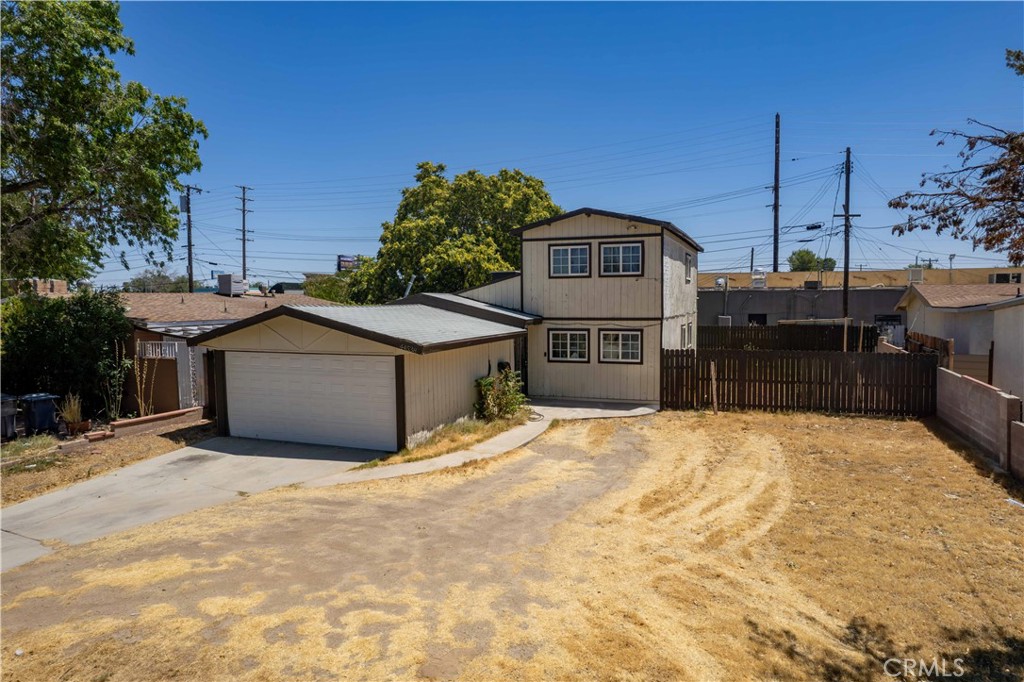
<point>622,259</point>
<point>569,260</point>
<point>689,268</point>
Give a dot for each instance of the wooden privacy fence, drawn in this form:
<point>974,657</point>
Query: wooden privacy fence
<point>916,342</point>
<point>788,337</point>
<point>900,384</point>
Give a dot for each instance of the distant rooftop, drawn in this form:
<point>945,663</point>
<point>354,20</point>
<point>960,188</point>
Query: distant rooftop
<point>960,295</point>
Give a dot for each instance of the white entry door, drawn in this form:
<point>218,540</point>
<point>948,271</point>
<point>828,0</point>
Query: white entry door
<point>344,400</point>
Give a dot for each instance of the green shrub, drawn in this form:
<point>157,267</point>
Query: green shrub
<point>63,344</point>
<point>500,396</point>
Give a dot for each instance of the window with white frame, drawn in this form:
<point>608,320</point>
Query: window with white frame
<point>568,346</point>
<point>690,340</point>
<point>570,260</point>
<point>689,268</point>
<point>621,346</point>
<point>622,259</point>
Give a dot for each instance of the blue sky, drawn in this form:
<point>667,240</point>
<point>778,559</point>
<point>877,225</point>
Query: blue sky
<point>660,109</point>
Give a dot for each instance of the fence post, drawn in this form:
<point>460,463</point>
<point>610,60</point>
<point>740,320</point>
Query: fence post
<point>714,388</point>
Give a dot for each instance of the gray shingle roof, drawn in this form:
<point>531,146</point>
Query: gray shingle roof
<point>416,328</point>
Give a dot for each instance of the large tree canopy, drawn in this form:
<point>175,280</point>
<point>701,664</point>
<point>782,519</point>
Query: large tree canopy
<point>88,161</point>
<point>451,234</point>
<point>805,260</point>
<point>983,200</point>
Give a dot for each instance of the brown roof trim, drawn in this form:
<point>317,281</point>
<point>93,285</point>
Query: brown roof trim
<point>612,214</point>
<point>305,316</point>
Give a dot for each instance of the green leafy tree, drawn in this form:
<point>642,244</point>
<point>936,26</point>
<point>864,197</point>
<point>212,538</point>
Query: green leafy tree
<point>158,280</point>
<point>328,287</point>
<point>63,345</point>
<point>88,161</point>
<point>982,201</point>
<point>805,260</point>
<point>450,234</point>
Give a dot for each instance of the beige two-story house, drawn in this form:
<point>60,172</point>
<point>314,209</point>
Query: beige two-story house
<point>611,291</point>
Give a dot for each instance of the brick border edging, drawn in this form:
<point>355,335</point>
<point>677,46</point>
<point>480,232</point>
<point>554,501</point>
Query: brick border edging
<point>152,422</point>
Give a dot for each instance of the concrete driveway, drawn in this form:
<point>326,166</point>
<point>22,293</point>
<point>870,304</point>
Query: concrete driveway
<point>209,473</point>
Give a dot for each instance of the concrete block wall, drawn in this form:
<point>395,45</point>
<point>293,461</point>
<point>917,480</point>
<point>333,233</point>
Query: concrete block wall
<point>1017,450</point>
<point>978,412</point>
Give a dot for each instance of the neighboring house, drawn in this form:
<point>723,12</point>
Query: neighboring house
<point>354,376</point>
<point>1008,345</point>
<point>960,312</point>
<point>612,290</point>
<point>163,323</point>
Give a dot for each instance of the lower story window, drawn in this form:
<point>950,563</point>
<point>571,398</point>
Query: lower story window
<point>621,346</point>
<point>568,346</point>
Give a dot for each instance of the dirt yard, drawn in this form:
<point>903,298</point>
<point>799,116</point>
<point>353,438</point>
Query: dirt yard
<point>55,469</point>
<point>674,547</point>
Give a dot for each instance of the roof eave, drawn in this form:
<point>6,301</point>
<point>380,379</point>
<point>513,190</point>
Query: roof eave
<point>463,343</point>
<point>663,224</point>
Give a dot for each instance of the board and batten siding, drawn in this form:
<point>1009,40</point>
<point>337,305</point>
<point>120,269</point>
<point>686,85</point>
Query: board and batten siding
<point>680,296</point>
<point>288,335</point>
<point>504,293</point>
<point>600,297</point>
<point>441,387</point>
<point>595,380</point>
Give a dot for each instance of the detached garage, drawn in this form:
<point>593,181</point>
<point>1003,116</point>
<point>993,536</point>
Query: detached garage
<point>352,376</point>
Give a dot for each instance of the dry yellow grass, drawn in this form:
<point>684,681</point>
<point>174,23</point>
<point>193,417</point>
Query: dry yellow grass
<point>450,438</point>
<point>673,547</point>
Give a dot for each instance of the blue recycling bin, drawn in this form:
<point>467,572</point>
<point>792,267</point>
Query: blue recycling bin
<point>40,413</point>
<point>8,413</point>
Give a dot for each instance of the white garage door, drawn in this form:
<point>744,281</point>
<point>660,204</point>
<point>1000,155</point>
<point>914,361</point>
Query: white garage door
<point>346,400</point>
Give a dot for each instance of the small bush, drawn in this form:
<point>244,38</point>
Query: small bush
<point>501,396</point>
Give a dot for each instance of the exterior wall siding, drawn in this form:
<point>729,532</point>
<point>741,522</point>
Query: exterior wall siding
<point>679,296</point>
<point>602,297</point>
<point>504,293</point>
<point>440,387</point>
<point>971,330</point>
<point>595,380</point>
<point>288,335</point>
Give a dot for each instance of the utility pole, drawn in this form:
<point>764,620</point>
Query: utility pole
<point>846,215</point>
<point>775,197</point>
<point>751,258</point>
<point>245,239</point>
<point>187,201</point>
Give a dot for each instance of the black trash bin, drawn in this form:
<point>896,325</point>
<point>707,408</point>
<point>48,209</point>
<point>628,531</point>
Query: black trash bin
<point>8,412</point>
<point>40,413</point>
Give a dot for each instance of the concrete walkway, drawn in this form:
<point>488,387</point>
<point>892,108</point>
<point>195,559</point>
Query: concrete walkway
<point>220,469</point>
